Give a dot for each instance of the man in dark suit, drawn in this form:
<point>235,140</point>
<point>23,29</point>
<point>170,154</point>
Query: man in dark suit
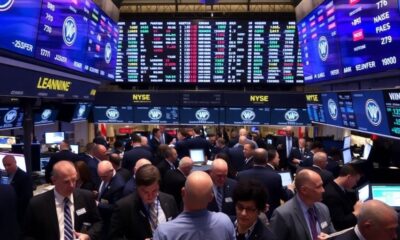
<point>169,163</point>
<point>49,215</point>
<point>303,217</point>
<point>223,188</point>
<point>155,139</point>
<point>199,142</point>
<point>136,153</point>
<point>376,221</point>
<point>138,215</point>
<point>343,210</point>
<point>250,199</point>
<point>93,154</point>
<point>181,145</point>
<point>165,138</point>
<point>308,159</point>
<point>174,180</point>
<point>248,152</point>
<point>271,180</point>
<point>236,156</point>
<point>110,191</point>
<point>116,160</point>
<point>297,155</point>
<point>320,160</point>
<point>22,184</point>
<point>285,145</point>
<point>9,229</point>
<point>64,154</point>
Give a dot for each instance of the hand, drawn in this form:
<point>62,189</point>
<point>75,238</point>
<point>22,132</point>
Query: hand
<point>323,236</point>
<point>279,147</point>
<point>296,161</point>
<point>81,236</point>
<point>291,187</point>
<point>357,208</point>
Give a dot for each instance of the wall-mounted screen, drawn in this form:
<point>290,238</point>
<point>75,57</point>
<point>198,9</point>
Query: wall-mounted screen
<point>11,117</point>
<point>332,111</point>
<point>392,104</point>
<point>199,115</point>
<point>45,116</point>
<point>247,116</point>
<point>7,141</point>
<point>347,156</point>
<point>156,115</point>
<point>289,116</point>
<point>347,110</point>
<point>388,194</point>
<point>53,137</point>
<point>113,114</point>
<point>81,112</point>
<point>315,109</point>
<point>205,51</point>
<point>19,158</point>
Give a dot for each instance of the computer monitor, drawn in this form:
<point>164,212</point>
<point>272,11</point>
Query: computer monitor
<point>367,151</point>
<point>43,162</point>
<point>387,193</point>
<point>53,137</point>
<point>347,157</point>
<point>346,142</point>
<point>20,159</point>
<point>363,192</point>
<point>286,177</point>
<point>197,155</point>
<point>7,141</point>
<point>74,148</point>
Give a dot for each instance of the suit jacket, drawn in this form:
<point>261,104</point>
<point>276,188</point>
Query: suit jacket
<point>296,153</point>
<point>271,180</point>
<point>41,216</point>
<point>9,229</point>
<point>182,148</point>
<point>92,163</point>
<point>164,166</point>
<point>283,152</point>
<point>326,176</point>
<point>247,165</point>
<point>228,207</point>
<point>130,187</point>
<point>349,235</point>
<point>130,157</point>
<point>22,184</point>
<point>173,182</point>
<point>340,206</point>
<point>154,143</point>
<point>130,221</point>
<point>261,232</point>
<point>124,173</point>
<point>236,157</point>
<point>56,157</point>
<point>168,138</point>
<point>288,221</point>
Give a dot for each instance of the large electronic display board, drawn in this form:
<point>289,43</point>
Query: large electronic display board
<point>18,25</point>
<point>199,115</point>
<point>81,112</point>
<point>208,51</point>
<point>369,109</point>
<point>346,108</point>
<point>289,116</point>
<point>315,109</point>
<point>331,107</point>
<point>247,116</point>
<point>156,115</point>
<point>45,116</point>
<point>113,114</point>
<point>392,104</point>
<point>11,117</point>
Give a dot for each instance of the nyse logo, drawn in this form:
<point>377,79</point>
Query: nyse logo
<point>112,113</point>
<point>323,48</point>
<point>107,53</point>
<point>46,114</point>
<point>69,31</point>
<point>292,116</point>
<point>202,114</point>
<point>248,115</point>
<point>5,5</point>
<point>373,112</point>
<point>10,116</point>
<point>81,111</point>
<point>155,114</point>
<point>332,108</point>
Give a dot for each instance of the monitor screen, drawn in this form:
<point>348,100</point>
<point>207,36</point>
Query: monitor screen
<point>46,116</point>
<point>367,151</point>
<point>289,116</point>
<point>81,112</point>
<point>286,178</point>
<point>74,148</point>
<point>363,192</point>
<point>247,116</point>
<point>315,108</point>
<point>156,115</point>
<point>7,141</point>
<point>347,156</point>
<point>346,142</point>
<point>43,162</point>
<point>113,114</point>
<point>389,194</point>
<point>11,117</point>
<point>197,155</point>
<point>199,115</point>
<point>20,159</point>
<point>346,108</point>
<point>53,137</point>
<point>331,109</point>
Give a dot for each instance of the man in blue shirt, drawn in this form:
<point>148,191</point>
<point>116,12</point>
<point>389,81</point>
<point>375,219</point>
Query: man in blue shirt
<point>196,222</point>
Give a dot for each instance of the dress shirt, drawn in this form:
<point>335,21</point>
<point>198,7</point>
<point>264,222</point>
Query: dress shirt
<point>358,233</point>
<point>288,146</point>
<point>59,200</point>
<point>160,213</point>
<point>248,232</point>
<point>304,210</point>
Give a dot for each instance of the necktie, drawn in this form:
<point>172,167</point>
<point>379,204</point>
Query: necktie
<point>68,229</point>
<point>162,139</point>
<point>153,216</point>
<point>313,223</point>
<point>102,189</point>
<point>219,198</point>
<point>288,146</point>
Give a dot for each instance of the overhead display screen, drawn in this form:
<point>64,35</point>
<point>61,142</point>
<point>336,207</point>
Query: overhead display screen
<point>156,115</point>
<point>315,109</point>
<point>11,117</point>
<point>369,31</point>
<point>18,25</point>
<point>247,116</point>
<point>370,112</point>
<point>331,108</point>
<point>113,114</point>
<point>318,41</point>
<point>81,112</point>
<point>289,116</point>
<point>45,116</point>
<point>392,104</point>
<point>208,51</point>
<point>347,110</point>
<point>199,115</point>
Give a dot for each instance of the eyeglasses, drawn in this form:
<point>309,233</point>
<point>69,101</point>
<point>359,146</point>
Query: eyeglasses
<point>240,208</point>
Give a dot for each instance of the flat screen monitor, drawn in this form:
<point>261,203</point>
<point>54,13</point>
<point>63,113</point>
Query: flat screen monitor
<point>197,155</point>
<point>7,141</point>
<point>74,148</point>
<point>367,151</point>
<point>286,178</point>
<point>81,112</point>
<point>43,162</point>
<point>346,142</point>
<point>20,159</point>
<point>53,137</point>
<point>347,157</point>
<point>363,192</point>
<point>387,193</point>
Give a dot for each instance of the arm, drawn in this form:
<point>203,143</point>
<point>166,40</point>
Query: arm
<point>279,227</point>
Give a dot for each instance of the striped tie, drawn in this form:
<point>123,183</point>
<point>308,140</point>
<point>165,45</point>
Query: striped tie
<point>219,198</point>
<point>153,216</point>
<point>68,229</point>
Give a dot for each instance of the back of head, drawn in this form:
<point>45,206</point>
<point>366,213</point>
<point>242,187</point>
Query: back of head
<point>90,148</point>
<point>135,138</point>
<point>115,159</point>
<point>317,146</point>
<point>83,171</point>
<point>147,175</point>
<point>197,130</point>
<point>260,156</point>
<point>64,145</point>
<point>271,154</point>
<point>320,159</point>
<point>242,140</point>
<point>198,191</point>
<point>141,162</point>
<point>348,169</point>
<point>186,165</point>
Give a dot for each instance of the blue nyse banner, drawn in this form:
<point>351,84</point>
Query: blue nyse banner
<point>156,115</point>
<point>247,116</point>
<point>289,116</point>
<point>331,109</point>
<point>113,114</point>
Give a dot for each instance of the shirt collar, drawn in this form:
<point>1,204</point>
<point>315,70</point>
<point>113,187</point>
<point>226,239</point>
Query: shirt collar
<point>60,198</point>
<point>303,206</point>
<point>272,166</point>
<point>358,233</point>
<point>248,232</point>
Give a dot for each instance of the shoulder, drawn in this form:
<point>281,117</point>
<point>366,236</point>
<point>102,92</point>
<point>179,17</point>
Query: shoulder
<point>287,208</point>
<point>231,182</point>
<point>127,201</point>
<point>42,198</point>
<point>322,207</point>
<point>166,197</point>
<point>262,232</point>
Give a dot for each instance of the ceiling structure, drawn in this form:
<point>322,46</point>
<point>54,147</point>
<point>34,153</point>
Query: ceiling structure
<point>187,6</point>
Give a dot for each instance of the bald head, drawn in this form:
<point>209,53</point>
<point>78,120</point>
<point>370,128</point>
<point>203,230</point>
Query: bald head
<point>197,192</point>
<point>260,156</point>
<point>186,165</point>
<point>219,172</point>
<point>139,163</point>
<point>144,141</point>
<point>64,145</point>
<point>289,131</point>
<point>100,152</point>
<point>105,170</point>
<point>320,159</point>
<point>309,186</point>
<point>10,164</point>
<point>64,177</point>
